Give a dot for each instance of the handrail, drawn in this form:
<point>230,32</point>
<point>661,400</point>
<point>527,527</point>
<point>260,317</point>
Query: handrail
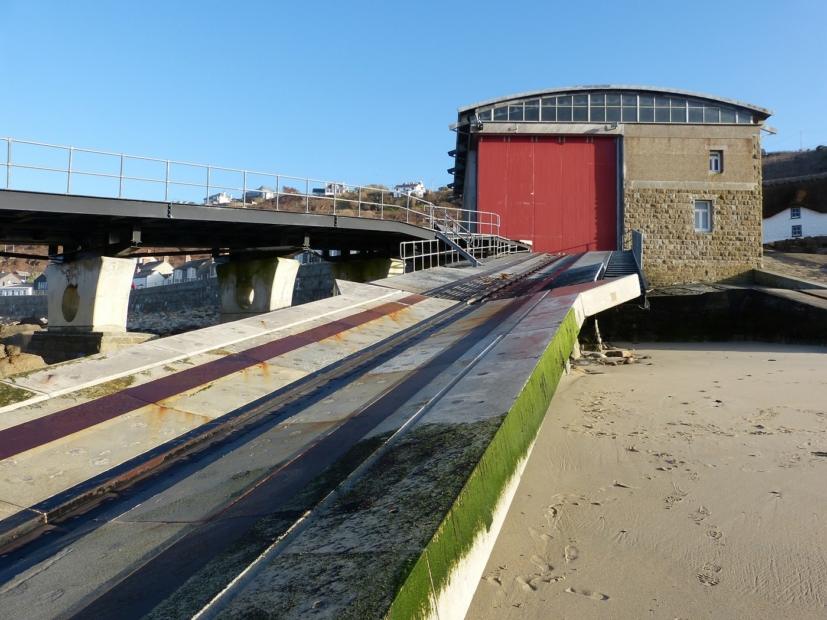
<point>637,248</point>
<point>330,197</point>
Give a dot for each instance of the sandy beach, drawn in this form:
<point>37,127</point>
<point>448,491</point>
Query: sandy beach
<point>690,485</point>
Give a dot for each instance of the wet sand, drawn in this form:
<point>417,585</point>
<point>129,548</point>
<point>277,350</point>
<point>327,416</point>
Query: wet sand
<point>690,485</point>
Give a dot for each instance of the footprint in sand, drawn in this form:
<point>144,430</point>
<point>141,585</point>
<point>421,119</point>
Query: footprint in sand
<point>552,514</point>
<point>708,580</point>
<point>530,583</point>
<point>570,553</point>
<point>495,578</point>
<point>597,596</point>
<point>540,539</point>
<point>541,563</point>
<point>699,515</point>
<point>709,575</point>
<point>673,498</point>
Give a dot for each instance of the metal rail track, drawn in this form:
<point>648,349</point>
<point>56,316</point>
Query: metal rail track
<point>149,584</point>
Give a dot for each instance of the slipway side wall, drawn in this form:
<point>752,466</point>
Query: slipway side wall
<point>438,584</point>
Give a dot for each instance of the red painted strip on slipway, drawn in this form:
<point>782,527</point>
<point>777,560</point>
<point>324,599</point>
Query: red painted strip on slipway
<point>28,435</point>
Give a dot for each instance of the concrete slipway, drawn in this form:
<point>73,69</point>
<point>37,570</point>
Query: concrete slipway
<point>375,492</point>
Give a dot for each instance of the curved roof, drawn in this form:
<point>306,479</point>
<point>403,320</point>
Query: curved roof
<point>649,89</point>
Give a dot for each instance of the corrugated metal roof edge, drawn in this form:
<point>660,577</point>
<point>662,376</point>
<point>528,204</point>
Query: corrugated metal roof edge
<point>652,89</point>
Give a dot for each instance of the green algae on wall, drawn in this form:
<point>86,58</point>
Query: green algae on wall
<point>473,511</point>
<point>10,395</point>
<point>350,563</point>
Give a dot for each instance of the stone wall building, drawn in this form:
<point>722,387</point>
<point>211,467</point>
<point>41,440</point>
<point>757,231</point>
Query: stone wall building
<point>578,169</point>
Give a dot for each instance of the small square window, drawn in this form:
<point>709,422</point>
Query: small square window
<point>795,213</point>
<point>797,232</point>
<point>703,215</point>
<point>716,162</point>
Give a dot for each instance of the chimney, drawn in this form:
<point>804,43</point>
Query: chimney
<point>187,258</point>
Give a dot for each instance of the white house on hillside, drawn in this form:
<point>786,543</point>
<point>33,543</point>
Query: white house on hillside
<point>414,188</point>
<point>219,199</point>
<point>155,273</point>
<point>330,189</point>
<point>795,222</point>
<point>262,193</point>
<point>9,279</point>
<point>795,194</point>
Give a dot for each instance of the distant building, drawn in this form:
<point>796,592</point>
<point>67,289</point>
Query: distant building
<point>24,276</point>
<point>151,274</point>
<point>331,189</point>
<point>262,193</point>
<point>9,279</point>
<point>16,290</point>
<point>795,194</point>
<point>40,284</point>
<point>219,199</point>
<point>414,188</point>
<point>194,270</point>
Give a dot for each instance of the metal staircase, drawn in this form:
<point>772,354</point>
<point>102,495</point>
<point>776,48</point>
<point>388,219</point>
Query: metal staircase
<point>623,263</point>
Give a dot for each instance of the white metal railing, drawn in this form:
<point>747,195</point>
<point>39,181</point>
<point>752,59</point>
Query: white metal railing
<point>425,254</point>
<point>294,194</point>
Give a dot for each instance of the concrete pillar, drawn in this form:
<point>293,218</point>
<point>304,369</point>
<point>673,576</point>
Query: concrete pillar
<point>87,305</point>
<point>368,270</point>
<point>90,295</point>
<point>251,287</point>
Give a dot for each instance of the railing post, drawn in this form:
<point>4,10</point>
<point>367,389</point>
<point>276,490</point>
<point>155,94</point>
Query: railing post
<point>278,191</point>
<point>69,175</point>
<point>382,207</point>
<point>120,180</point>
<point>166,185</point>
<point>8,163</point>
<point>334,199</point>
<point>408,209</point>
<point>360,201</point>
<point>209,169</point>
<point>244,192</point>
<point>307,195</point>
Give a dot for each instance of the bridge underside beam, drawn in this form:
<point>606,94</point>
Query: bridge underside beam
<point>89,222</point>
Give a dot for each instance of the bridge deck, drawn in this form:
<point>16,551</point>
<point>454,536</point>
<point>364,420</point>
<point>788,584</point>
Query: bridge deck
<point>54,219</point>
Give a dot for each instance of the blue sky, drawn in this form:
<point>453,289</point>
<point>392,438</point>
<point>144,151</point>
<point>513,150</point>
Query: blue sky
<point>363,92</point>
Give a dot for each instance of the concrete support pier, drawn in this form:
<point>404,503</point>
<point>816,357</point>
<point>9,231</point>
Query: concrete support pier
<point>87,306</point>
<point>250,287</point>
<point>368,270</point>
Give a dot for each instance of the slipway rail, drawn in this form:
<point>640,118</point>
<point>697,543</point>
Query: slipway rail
<point>382,415</point>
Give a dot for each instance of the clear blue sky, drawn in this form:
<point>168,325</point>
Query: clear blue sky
<point>364,92</point>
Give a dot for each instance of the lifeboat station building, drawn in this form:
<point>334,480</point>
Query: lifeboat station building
<point>578,169</point>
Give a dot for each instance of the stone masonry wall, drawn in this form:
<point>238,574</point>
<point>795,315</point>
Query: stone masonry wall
<point>666,169</point>
<point>674,253</point>
<point>17,308</point>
